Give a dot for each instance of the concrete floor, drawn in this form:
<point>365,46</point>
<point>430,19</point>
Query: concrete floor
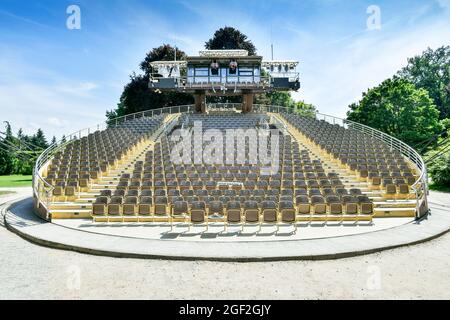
<point>28,271</point>
<point>306,230</point>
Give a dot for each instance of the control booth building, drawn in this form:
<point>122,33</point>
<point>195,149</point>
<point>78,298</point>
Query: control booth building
<point>224,73</point>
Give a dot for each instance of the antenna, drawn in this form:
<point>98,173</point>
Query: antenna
<point>271,41</point>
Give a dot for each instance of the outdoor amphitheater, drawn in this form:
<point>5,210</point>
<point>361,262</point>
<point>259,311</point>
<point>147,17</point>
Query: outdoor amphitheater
<point>321,178</point>
<point>228,181</point>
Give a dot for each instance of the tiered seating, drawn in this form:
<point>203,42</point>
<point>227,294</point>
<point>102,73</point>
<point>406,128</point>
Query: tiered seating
<point>85,160</point>
<point>301,190</point>
<point>372,159</point>
<point>225,120</point>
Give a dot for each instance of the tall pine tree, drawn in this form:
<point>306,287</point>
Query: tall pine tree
<point>39,140</point>
<point>6,157</point>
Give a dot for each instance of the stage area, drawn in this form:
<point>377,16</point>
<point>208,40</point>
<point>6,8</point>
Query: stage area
<point>309,243</point>
<point>215,232</point>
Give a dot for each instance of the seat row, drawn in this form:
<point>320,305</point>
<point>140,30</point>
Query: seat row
<point>336,204</point>
<point>231,212</point>
<point>374,161</point>
<point>87,158</point>
<point>227,184</point>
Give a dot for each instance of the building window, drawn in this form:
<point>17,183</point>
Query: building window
<point>245,71</point>
<point>201,72</point>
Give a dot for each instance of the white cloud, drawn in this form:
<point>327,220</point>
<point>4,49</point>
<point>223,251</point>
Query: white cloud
<point>57,122</point>
<point>444,4</point>
<point>335,76</point>
<point>31,106</point>
<point>82,89</point>
<point>33,97</point>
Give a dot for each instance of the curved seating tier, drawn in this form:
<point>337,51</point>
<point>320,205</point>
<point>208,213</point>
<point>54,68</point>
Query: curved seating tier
<point>374,160</point>
<point>85,160</point>
<point>323,172</point>
<point>158,188</point>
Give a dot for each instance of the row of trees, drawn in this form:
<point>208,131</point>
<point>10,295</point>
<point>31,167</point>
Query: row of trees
<point>137,97</point>
<point>414,106</point>
<point>19,152</point>
<point>400,109</point>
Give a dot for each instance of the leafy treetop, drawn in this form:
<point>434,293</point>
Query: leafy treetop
<point>398,108</point>
<point>230,38</point>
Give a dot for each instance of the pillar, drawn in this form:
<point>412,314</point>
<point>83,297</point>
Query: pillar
<point>247,102</point>
<point>200,101</point>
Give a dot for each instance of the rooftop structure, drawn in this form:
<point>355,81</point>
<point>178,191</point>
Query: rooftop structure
<point>224,73</point>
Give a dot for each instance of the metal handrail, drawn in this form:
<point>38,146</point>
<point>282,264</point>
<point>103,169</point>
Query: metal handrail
<point>420,185</point>
<point>186,78</point>
<point>187,82</point>
<point>42,189</point>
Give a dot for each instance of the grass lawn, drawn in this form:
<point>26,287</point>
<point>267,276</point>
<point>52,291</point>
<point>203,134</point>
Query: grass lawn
<point>15,181</point>
<point>439,188</point>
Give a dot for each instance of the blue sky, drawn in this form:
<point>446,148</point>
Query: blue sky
<point>63,80</point>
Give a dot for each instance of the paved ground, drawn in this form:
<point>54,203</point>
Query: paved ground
<point>30,271</point>
<point>249,234</point>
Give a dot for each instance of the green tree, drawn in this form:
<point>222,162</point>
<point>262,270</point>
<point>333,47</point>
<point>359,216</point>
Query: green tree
<point>24,159</point>
<point>281,98</point>
<point>305,109</point>
<point>440,171</point>
<point>398,108</point>
<point>18,153</point>
<point>162,53</point>
<point>230,38</point>
<point>6,158</point>
<point>39,140</point>
<point>137,96</point>
<point>431,71</point>
<point>284,99</point>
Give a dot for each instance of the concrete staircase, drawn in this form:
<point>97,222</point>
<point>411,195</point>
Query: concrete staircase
<point>81,206</point>
<point>384,205</point>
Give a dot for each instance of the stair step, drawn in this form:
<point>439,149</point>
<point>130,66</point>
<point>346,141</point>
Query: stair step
<point>70,213</point>
<point>394,212</point>
<point>395,204</point>
<point>72,206</point>
<point>86,199</point>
